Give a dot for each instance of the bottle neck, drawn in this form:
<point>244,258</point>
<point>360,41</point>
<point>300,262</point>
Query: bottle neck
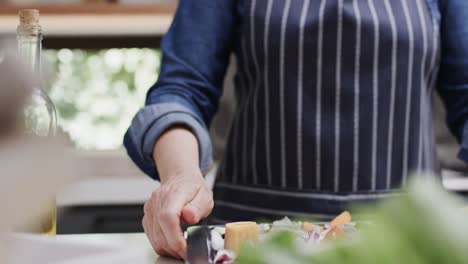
<point>30,47</point>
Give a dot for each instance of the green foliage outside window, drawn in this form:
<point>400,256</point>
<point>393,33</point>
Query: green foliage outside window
<point>98,92</point>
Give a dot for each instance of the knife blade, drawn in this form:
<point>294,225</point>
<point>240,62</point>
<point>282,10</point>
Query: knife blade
<point>199,245</point>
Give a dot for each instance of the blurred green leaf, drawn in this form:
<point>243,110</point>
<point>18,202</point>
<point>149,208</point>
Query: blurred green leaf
<point>425,225</point>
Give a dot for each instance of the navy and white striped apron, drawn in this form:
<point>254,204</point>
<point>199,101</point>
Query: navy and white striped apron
<point>334,106</point>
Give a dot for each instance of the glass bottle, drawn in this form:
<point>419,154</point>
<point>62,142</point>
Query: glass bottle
<point>40,112</point>
<point>40,115</point>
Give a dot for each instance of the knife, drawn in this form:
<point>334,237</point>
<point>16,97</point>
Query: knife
<point>199,249</point>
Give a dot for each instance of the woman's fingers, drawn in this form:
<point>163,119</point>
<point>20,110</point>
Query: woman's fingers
<point>199,208</point>
<point>147,223</point>
<point>161,245</point>
<point>169,218</point>
<point>152,228</point>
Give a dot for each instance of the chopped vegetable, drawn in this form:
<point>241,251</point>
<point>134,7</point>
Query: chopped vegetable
<point>307,227</point>
<point>342,219</point>
<point>239,233</point>
<point>335,232</point>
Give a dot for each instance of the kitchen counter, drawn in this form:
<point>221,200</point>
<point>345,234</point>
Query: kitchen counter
<point>135,241</point>
<point>76,249</point>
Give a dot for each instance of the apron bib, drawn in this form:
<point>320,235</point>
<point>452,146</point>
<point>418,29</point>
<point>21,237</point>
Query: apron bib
<point>334,106</point>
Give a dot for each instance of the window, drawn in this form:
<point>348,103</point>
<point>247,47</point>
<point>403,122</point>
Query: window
<point>97,93</point>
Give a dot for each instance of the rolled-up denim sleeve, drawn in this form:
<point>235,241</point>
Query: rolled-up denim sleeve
<point>195,55</point>
<point>453,75</point>
<point>151,122</point>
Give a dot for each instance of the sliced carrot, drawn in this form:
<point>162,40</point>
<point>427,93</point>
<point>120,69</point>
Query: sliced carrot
<point>335,232</point>
<point>343,219</point>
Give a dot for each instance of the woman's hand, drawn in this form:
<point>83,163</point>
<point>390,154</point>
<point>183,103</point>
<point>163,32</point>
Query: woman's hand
<point>182,197</point>
<point>185,198</point>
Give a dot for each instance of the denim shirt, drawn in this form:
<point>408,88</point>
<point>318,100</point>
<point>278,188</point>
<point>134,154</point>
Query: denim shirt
<point>196,53</point>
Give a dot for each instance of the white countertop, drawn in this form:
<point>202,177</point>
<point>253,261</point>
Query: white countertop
<point>107,191</point>
<point>455,181</point>
<point>131,242</point>
<point>78,249</point>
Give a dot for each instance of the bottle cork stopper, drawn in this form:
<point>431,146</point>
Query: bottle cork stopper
<point>29,17</point>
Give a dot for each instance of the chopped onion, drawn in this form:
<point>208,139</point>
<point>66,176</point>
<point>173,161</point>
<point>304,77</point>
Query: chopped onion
<point>224,256</point>
<point>217,241</point>
<point>286,224</point>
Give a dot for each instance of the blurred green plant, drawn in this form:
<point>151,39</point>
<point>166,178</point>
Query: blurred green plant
<point>98,92</point>
<point>424,226</point>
